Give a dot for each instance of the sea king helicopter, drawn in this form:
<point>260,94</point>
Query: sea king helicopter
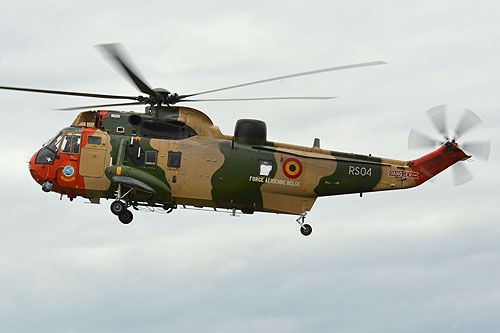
<point>170,156</point>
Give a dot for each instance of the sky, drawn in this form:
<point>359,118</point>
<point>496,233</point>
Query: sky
<point>424,259</point>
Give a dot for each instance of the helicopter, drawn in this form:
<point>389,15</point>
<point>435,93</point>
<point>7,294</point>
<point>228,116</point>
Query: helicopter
<point>171,156</point>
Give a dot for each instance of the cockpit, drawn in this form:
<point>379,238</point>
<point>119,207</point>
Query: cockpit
<point>71,143</point>
<point>66,141</point>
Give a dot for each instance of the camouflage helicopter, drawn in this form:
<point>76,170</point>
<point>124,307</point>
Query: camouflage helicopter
<point>172,156</point>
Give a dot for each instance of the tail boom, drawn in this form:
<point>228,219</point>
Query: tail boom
<point>433,163</point>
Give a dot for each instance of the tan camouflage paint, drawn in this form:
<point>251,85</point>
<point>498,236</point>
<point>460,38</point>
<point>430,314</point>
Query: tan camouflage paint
<point>95,184</point>
<point>200,159</point>
<point>297,199</point>
<point>388,182</point>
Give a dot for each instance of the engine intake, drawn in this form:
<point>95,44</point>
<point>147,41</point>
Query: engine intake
<point>250,131</point>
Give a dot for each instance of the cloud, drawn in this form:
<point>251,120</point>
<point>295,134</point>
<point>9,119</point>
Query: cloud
<point>418,260</point>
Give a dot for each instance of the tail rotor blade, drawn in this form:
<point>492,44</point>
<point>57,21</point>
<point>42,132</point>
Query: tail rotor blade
<point>468,121</point>
<point>437,115</point>
<point>461,174</point>
<point>418,140</point>
<point>479,149</point>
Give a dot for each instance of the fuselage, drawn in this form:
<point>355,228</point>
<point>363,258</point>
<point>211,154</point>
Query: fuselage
<point>175,155</point>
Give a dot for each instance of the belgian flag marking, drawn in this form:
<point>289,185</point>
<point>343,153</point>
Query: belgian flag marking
<point>292,168</point>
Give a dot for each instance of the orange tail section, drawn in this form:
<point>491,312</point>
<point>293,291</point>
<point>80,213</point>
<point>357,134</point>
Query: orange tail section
<point>431,164</point>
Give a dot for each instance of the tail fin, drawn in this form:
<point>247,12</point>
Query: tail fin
<point>433,163</point>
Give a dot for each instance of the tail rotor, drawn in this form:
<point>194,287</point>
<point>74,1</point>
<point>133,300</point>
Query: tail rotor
<point>469,120</point>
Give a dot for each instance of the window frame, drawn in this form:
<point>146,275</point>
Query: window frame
<point>48,153</point>
<point>148,152</point>
<point>170,159</point>
<point>94,137</point>
<point>73,134</point>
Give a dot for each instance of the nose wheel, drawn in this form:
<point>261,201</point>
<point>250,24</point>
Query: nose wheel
<point>305,229</point>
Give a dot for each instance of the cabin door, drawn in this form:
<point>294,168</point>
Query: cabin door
<point>93,154</point>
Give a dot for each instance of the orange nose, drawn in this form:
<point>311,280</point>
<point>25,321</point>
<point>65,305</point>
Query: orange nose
<point>38,171</point>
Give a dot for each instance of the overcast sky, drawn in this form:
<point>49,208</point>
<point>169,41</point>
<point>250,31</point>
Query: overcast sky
<point>419,260</point>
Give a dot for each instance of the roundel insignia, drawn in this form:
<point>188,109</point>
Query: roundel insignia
<point>292,168</point>
<point>68,171</point>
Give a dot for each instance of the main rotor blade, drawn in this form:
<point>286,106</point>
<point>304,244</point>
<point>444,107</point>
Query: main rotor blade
<point>365,64</point>
<point>437,115</point>
<point>71,93</point>
<point>468,121</point>
<point>461,174</point>
<point>254,99</point>
<point>99,106</point>
<point>418,139</point>
<point>116,52</point>
<point>479,149</point>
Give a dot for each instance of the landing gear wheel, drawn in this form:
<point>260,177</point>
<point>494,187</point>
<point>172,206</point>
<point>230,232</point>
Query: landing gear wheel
<point>126,217</point>
<point>117,207</point>
<point>306,229</point>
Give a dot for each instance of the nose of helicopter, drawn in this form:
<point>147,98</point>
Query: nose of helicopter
<point>36,170</point>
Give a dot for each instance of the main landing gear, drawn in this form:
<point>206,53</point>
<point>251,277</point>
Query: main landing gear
<point>305,229</point>
<point>126,217</point>
<point>119,208</point>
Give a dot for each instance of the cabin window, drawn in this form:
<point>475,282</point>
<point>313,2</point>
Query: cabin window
<point>94,140</point>
<point>71,143</point>
<point>151,156</point>
<point>265,168</point>
<point>174,159</point>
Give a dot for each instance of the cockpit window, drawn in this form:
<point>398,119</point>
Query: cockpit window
<point>47,154</point>
<point>71,143</point>
<point>54,142</point>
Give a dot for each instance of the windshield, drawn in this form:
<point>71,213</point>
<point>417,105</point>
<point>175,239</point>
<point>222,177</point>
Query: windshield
<point>54,142</point>
<point>47,154</point>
